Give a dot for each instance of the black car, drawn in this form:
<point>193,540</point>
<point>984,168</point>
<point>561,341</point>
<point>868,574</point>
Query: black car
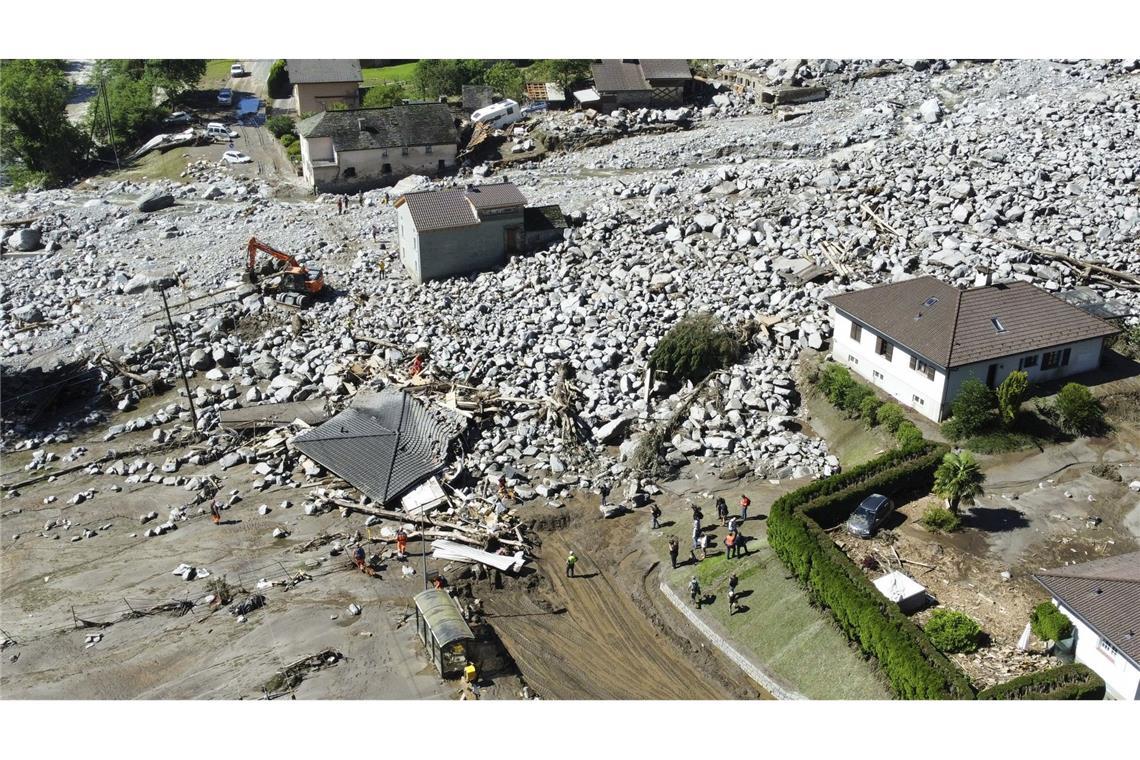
<point>869,515</point>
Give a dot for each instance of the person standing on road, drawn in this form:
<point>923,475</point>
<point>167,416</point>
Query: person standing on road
<point>571,560</point>
<point>655,513</point>
<point>215,513</point>
<point>745,503</point>
<point>705,542</point>
<point>730,545</point>
<point>695,591</point>
<point>604,490</point>
<point>733,524</point>
<point>674,547</point>
<point>732,583</point>
<point>722,510</point>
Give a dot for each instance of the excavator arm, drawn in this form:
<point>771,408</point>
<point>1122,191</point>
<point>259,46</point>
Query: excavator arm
<point>297,278</point>
<point>256,245</point>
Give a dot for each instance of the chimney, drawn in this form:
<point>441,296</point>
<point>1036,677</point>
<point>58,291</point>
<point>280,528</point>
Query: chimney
<point>983,279</point>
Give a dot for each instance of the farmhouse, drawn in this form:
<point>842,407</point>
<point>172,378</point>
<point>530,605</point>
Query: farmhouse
<point>920,339</point>
<point>641,82</point>
<point>1102,598</point>
<point>346,151</point>
<point>449,232</point>
<point>318,84</point>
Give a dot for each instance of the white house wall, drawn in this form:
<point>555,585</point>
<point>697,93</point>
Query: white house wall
<point>1083,356</point>
<point>1121,677</point>
<point>897,378</point>
<point>368,165</point>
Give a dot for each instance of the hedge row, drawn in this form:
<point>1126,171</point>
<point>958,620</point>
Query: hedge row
<point>915,669</point>
<point>1071,681</point>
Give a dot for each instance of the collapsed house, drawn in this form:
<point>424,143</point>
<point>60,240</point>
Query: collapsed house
<point>449,232</point>
<point>641,82</point>
<point>384,444</point>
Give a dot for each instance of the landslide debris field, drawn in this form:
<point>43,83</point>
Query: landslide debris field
<point>944,168</point>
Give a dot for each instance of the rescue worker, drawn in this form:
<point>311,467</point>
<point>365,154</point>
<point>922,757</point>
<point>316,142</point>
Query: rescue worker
<point>730,544</point>
<point>417,366</point>
<point>674,547</point>
<point>381,268</point>
<point>401,544</point>
<point>438,582</point>
<point>722,510</point>
<point>655,513</point>
<point>215,513</point>
<point>705,542</point>
<point>695,591</point>
<point>571,560</point>
<point>604,489</point>
<point>745,503</point>
<point>359,560</point>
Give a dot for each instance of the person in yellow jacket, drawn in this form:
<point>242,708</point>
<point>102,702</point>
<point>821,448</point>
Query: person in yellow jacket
<point>571,560</point>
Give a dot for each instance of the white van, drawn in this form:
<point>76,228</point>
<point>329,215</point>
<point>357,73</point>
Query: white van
<point>498,115</point>
<point>217,129</point>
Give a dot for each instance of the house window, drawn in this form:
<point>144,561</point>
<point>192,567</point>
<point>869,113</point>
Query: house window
<point>856,332</point>
<point>920,366</point>
<point>997,324</point>
<point>884,349</point>
<point>350,173</point>
<point>1107,649</point>
<point>427,149</point>
<point>1026,362</point>
<point>1052,359</point>
<point>852,359</point>
<point>878,375</point>
<point>918,400</point>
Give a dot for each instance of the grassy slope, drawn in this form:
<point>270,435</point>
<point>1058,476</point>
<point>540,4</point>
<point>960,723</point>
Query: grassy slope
<point>401,73</point>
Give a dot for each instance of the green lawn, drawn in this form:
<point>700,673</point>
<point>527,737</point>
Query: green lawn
<point>217,72</point>
<point>401,73</point>
<point>780,631</point>
<point>848,439</point>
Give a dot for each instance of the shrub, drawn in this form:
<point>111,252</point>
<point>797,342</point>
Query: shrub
<point>1107,471</point>
<point>384,94</point>
<point>953,631</point>
<point>940,519</point>
<point>1048,623</point>
<point>958,479</point>
<point>288,139</point>
<point>1070,681</point>
<point>281,125</point>
<point>853,397</point>
<point>1079,411</point>
<point>278,80</point>
<point>694,347</point>
<point>908,435</point>
<point>890,415</point>
<point>973,408</point>
<point>1000,442</point>
<point>1010,394</point>
<point>834,381</point>
<point>294,151</point>
<point>869,410</point>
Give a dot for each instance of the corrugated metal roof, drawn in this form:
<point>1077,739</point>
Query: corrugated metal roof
<point>952,327</point>
<point>312,71</point>
<point>384,444</point>
<point>1105,593</point>
<point>442,616</point>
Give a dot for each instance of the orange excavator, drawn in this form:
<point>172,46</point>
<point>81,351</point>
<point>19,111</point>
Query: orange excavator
<point>295,285</point>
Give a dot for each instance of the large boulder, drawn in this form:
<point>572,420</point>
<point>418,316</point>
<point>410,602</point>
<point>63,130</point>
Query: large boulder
<point>26,239</point>
<point>155,201</point>
<point>30,314</point>
<point>148,281</point>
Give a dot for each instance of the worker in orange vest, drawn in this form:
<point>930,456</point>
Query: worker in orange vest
<point>730,545</point>
<point>401,543</point>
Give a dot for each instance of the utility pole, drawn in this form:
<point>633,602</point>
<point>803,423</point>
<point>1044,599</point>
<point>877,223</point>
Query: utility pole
<point>181,366</point>
<point>107,115</point>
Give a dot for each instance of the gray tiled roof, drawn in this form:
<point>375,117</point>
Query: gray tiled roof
<point>384,444</point>
<point>622,75</point>
<point>444,209</point>
<point>956,328</point>
<point>312,71</point>
<point>1105,593</point>
<point>495,195</point>
<point>392,127</point>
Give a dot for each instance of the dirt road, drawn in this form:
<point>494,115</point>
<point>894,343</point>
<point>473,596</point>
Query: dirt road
<point>592,636</point>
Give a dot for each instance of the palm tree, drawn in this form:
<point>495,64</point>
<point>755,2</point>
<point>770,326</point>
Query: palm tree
<point>958,478</point>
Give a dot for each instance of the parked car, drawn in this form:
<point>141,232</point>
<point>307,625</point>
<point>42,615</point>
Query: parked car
<point>871,513</point>
<point>237,70</point>
<point>235,157</point>
<point>218,129</point>
<point>225,96</point>
<point>178,117</point>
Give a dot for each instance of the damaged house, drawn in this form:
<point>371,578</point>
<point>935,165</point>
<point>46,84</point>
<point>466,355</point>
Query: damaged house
<point>451,232</point>
<point>641,82</point>
<point>384,444</point>
<point>363,148</point>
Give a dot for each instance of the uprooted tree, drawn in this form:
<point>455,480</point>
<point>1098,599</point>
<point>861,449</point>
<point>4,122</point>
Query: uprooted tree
<point>697,345</point>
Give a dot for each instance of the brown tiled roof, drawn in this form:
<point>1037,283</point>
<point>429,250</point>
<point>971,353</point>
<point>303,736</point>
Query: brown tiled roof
<point>312,71</point>
<point>495,195</point>
<point>439,210</point>
<point>444,209</point>
<point>624,74</point>
<point>958,328</point>
<point>1104,593</point>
